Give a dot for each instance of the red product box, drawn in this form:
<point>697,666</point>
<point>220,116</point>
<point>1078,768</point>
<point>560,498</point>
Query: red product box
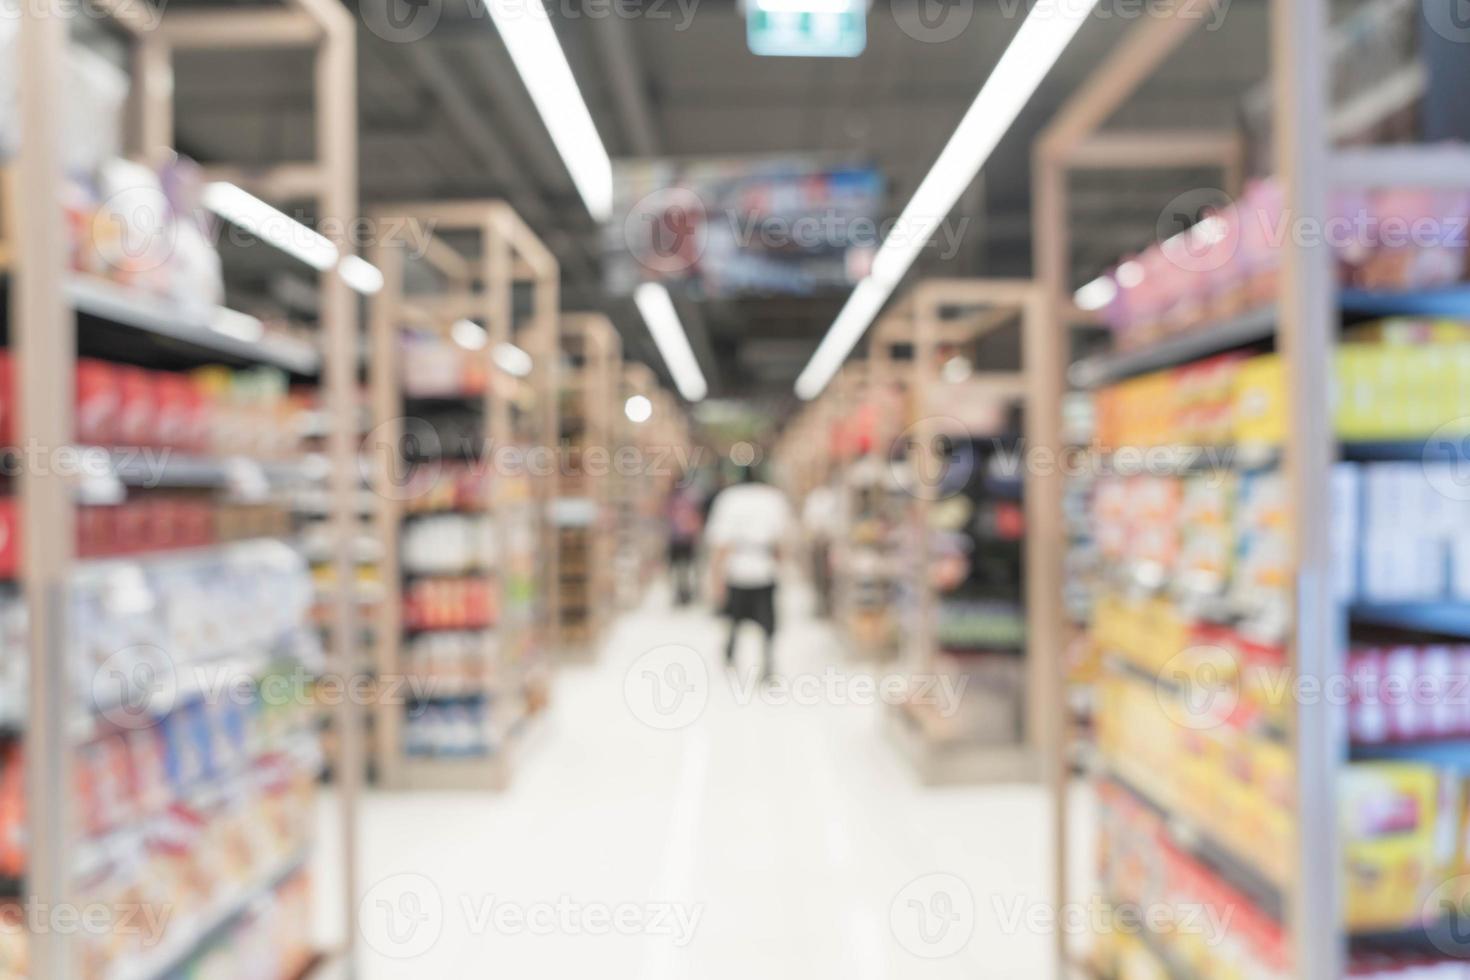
<point>96,531</point>
<point>133,527</point>
<point>8,399</point>
<point>138,408</point>
<point>164,527</point>
<point>174,405</point>
<point>98,403</point>
<point>199,418</point>
<point>9,537</point>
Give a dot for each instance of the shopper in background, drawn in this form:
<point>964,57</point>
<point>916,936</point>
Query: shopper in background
<point>821,518</point>
<point>686,520</point>
<point>747,525</point>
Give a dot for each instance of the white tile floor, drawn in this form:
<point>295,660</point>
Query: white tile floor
<point>758,841</point>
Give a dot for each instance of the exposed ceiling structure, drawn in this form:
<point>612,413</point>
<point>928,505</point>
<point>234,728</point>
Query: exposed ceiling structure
<point>447,117</point>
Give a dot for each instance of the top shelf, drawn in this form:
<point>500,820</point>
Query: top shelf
<point>1094,372</point>
<point>1258,327</point>
<point>189,338</point>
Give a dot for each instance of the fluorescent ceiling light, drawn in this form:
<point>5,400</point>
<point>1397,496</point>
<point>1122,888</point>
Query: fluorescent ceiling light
<point>512,360</point>
<point>1036,47</point>
<point>469,334</point>
<point>1096,294</point>
<point>361,275</point>
<point>241,208</point>
<point>807,6</point>
<point>638,409</point>
<point>528,34</point>
<point>673,345</point>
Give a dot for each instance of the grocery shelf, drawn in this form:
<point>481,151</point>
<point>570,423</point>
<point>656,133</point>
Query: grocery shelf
<point>1449,301</point>
<point>1263,891</point>
<point>1425,450</point>
<point>101,303</point>
<point>174,953</point>
<point>168,468</point>
<point>1444,617</point>
<point>1251,328</point>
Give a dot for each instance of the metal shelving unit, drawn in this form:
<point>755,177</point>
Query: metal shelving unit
<point>1303,326</point>
<point>582,511</point>
<point>478,287</point>
<point>48,308</point>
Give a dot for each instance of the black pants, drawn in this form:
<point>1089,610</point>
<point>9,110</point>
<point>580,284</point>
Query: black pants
<point>681,567</point>
<point>758,605</point>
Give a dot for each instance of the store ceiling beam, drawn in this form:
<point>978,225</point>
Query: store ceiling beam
<point>493,72</point>
<point>1156,150</point>
<point>628,87</point>
<point>1130,64</point>
<point>469,121</point>
<point>240,29</point>
<point>276,184</point>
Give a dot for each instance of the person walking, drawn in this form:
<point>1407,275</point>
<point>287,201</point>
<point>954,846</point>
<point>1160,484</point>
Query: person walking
<point>748,524</point>
<point>686,520</point>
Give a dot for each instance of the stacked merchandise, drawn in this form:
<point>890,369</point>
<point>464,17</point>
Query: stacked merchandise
<point>197,758</point>
<point>1229,264</point>
<point>468,553</point>
<point>867,561</point>
<point>1192,521</point>
<point>1081,570</point>
<point>976,570</point>
<point>447,553</point>
<point>584,539</point>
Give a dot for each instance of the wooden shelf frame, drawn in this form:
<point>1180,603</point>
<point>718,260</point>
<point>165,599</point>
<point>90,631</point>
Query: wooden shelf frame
<point>479,287</point>
<point>44,338</point>
<point>1308,315</point>
<point>595,383</point>
<point>924,320</point>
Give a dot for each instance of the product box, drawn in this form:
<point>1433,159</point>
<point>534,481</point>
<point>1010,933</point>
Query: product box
<point>1259,402</point>
<point>1387,815</point>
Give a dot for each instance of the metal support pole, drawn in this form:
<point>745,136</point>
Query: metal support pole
<point>1300,68</point>
<point>336,139</point>
<point>1045,349</point>
<point>44,335</point>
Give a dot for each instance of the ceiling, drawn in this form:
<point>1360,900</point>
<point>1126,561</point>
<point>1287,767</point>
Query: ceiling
<point>447,117</point>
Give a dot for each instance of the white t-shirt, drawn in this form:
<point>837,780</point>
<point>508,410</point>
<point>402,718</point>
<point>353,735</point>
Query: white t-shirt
<point>751,520</point>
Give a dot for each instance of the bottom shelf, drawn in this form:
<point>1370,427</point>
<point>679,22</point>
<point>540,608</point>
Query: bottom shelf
<point>471,773</point>
<point>942,760</point>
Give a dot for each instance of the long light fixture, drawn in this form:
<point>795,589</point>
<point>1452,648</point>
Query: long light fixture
<point>530,38</point>
<point>469,334</point>
<point>279,230</point>
<point>276,228</point>
<point>673,344</point>
<point>1032,52</point>
<point>512,360</point>
<point>361,275</point>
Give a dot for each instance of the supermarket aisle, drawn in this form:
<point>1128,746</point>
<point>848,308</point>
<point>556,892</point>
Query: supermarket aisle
<point>760,839</point>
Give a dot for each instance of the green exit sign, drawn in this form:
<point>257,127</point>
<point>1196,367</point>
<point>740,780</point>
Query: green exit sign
<point>807,28</point>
